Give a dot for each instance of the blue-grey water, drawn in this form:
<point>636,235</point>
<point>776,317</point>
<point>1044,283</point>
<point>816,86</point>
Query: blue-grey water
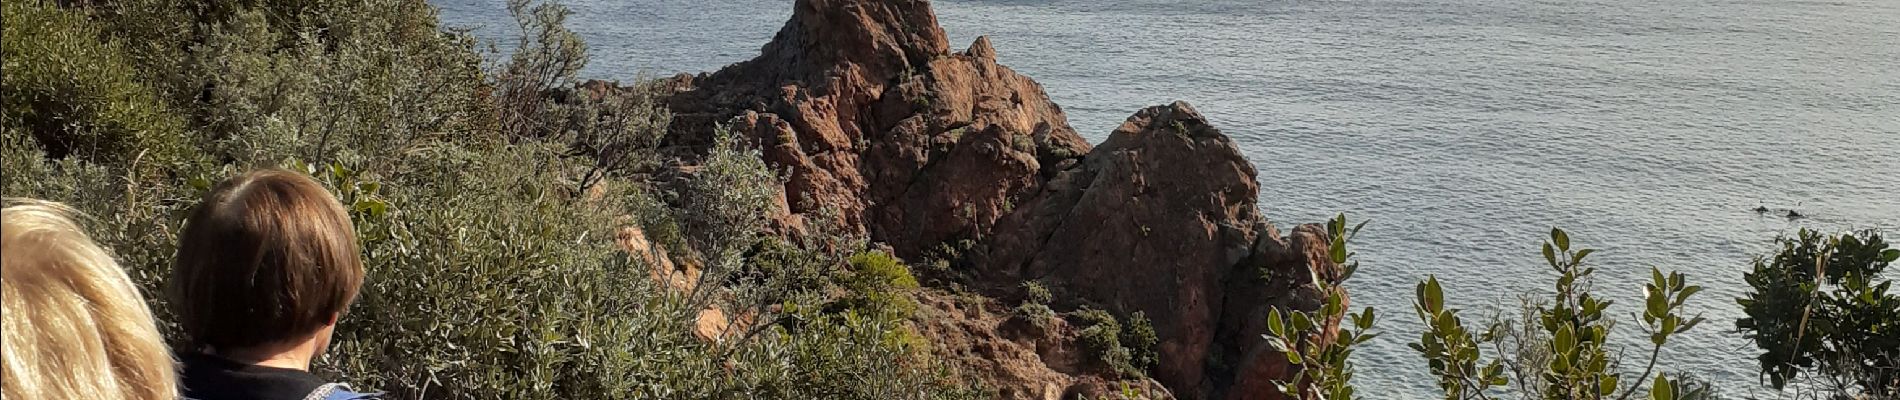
<point>1464,129</point>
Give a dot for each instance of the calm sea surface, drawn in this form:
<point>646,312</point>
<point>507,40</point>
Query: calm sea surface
<point>1464,129</point>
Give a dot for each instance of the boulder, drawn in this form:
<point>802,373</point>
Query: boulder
<point>1156,219</point>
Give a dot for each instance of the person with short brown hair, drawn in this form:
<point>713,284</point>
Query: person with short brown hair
<point>267,264</point>
<point>75,325</point>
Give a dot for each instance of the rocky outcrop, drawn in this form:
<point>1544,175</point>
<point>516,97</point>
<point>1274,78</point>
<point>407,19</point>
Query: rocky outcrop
<point>870,114</point>
<point>880,128</point>
<point>1161,218</point>
<point>1150,221</point>
<point>1298,275</point>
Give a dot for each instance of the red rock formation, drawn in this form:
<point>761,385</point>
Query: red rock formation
<point>864,106</point>
<point>1293,262</point>
<point>872,115</point>
<point>1017,357</point>
<point>1161,219</point>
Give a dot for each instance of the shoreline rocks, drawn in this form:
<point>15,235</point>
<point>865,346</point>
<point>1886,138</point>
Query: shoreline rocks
<point>941,154</point>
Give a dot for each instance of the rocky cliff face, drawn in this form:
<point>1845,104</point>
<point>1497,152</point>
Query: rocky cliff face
<point>872,116</point>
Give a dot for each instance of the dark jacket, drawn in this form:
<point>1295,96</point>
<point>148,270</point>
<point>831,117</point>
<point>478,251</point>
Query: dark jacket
<point>208,377</point>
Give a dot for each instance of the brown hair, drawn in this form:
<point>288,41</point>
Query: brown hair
<point>267,257</point>
<point>75,326</point>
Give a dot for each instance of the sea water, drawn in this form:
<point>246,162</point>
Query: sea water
<point>1463,129</point>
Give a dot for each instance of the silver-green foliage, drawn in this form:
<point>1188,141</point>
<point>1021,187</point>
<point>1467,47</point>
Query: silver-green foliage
<point>1560,349</point>
<point>1323,367</point>
<point>1557,349</point>
<point>490,276</point>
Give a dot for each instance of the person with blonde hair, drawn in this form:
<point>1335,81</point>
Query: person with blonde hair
<point>267,264</point>
<point>75,326</point>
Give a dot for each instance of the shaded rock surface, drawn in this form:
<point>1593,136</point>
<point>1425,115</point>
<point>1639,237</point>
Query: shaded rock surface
<point>1018,357</point>
<point>1161,218</point>
<point>877,124</point>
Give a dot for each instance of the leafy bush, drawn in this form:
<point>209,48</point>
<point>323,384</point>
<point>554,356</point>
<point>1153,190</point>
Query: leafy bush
<point>1035,292</point>
<point>1127,352</point>
<point>879,284</point>
<point>1143,345</point>
<point>1035,313</point>
<point>1101,338</point>
<point>1571,332</point>
<point>1817,307</point>
<point>1557,350</point>
<point>77,93</point>
<point>490,276</point>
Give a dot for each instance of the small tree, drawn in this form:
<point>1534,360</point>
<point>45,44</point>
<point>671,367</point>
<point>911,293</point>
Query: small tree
<point>1816,308</point>
<point>1578,366</point>
<point>1571,334</point>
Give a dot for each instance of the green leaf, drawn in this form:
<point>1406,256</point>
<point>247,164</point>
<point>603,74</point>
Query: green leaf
<point>1274,324</point>
<point>1277,344</point>
<point>1581,254</point>
<point>1294,357</point>
<point>1657,306</point>
<point>1339,250</point>
<point>1686,292</point>
<point>1355,229</point>
<point>1691,324</point>
<point>1606,385</point>
<point>1564,339</point>
<point>1890,255</point>
<point>1661,390</point>
<point>1560,238</point>
<point>1550,255</point>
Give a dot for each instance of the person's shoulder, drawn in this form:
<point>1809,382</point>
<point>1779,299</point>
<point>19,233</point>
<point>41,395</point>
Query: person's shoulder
<point>338,391</point>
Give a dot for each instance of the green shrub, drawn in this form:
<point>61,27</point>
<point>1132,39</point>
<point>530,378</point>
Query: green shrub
<point>1100,337</point>
<point>78,94</point>
<point>1572,332</point>
<point>879,284</point>
<point>1558,349</point>
<point>1818,307</point>
<point>1128,350</point>
<point>1141,342</point>
<point>1023,143</point>
<point>1034,292</point>
<point>1036,313</point>
<point>489,275</point>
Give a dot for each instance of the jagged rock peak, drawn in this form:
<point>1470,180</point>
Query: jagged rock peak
<point>878,35</point>
<point>981,49</point>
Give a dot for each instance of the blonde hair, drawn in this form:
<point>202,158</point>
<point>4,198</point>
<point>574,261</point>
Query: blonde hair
<point>75,327</point>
